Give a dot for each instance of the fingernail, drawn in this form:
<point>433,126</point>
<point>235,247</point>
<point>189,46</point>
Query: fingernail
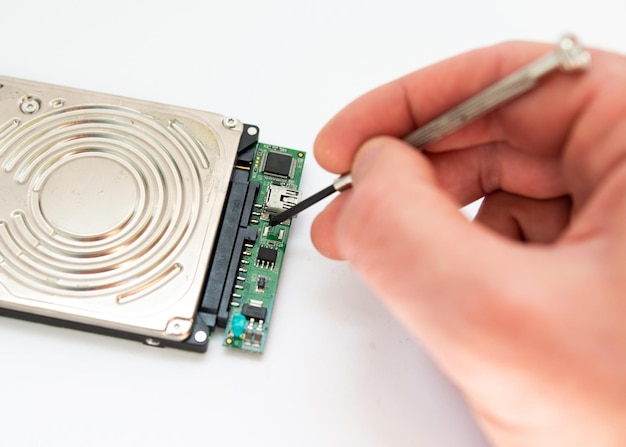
<point>366,157</point>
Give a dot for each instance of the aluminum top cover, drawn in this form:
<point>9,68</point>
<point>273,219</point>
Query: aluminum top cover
<point>109,206</point>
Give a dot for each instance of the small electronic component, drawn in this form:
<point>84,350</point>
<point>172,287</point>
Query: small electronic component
<point>256,312</point>
<point>254,334</point>
<point>238,325</point>
<point>281,198</point>
<point>267,257</point>
<point>260,284</point>
<point>278,164</point>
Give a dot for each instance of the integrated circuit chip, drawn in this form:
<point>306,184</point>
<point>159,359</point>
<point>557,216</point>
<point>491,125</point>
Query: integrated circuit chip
<point>260,285</point>
<point>267,256</point>
<point>278,164</point>
<point>258,313</point>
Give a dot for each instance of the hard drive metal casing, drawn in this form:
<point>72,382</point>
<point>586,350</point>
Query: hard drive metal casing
<point>109,208</point>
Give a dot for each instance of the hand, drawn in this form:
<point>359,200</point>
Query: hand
<point>525,308</point>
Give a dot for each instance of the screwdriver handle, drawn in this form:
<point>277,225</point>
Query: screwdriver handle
<point>568,55</point>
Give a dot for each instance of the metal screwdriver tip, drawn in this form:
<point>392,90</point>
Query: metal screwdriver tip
<point>342,183</point>
<point>301,206</point>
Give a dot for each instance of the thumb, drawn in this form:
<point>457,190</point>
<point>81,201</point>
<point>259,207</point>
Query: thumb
<point>408,240</point>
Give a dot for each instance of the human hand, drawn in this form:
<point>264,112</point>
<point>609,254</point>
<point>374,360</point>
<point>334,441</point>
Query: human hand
<point>524,308</point>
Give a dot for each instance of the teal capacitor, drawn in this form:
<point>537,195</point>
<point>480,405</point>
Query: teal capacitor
<point>238,325</point>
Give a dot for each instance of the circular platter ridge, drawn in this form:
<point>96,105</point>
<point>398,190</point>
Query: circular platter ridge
<point>109,196</point>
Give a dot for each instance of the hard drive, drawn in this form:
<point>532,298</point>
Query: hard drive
<point>112,213</point>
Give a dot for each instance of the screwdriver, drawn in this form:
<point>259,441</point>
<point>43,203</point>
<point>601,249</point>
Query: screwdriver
<point>568,56</point>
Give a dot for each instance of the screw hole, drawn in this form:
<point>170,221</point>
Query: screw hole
<point>57,103</point>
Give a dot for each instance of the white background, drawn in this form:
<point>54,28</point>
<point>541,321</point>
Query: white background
<point>338,370</point>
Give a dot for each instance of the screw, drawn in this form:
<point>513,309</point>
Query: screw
<point>229,122</point>
<point>200,336</point>
<point>29,105</point>
<point>152,342</point>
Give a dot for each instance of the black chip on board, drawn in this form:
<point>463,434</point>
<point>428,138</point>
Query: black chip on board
<point>278,164</point>
<point>267,255</point>
<point>261,282</point>
<point>258,313</point>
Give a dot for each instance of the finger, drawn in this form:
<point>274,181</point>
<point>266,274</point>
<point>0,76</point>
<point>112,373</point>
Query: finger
<point>596,145</point>
<point>401,106</point>
<point>523,219</point>
<point>582,116</point>
<point>323,228</point>
<point>440,274</point>
<point>472,173</point>
<point>398,227</point>
<point>408,241</point>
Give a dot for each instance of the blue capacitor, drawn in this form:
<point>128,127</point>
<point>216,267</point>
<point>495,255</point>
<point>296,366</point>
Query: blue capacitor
<point>238,325</point>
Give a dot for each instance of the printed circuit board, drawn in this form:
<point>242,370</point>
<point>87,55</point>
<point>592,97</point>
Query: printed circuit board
<point>277,170</point>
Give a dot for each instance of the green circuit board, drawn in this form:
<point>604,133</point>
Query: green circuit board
<point>278,171</point>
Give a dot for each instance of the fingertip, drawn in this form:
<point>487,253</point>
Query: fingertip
<point>322,149</point>
<point>323,229</point>
<point>386,156</point>
<point>386,173</point>
<point>381,111</point>
<point>332,148</point>
<point>372,153</point>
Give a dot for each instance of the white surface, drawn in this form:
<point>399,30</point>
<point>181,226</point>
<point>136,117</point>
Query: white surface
<point>338,369</point>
